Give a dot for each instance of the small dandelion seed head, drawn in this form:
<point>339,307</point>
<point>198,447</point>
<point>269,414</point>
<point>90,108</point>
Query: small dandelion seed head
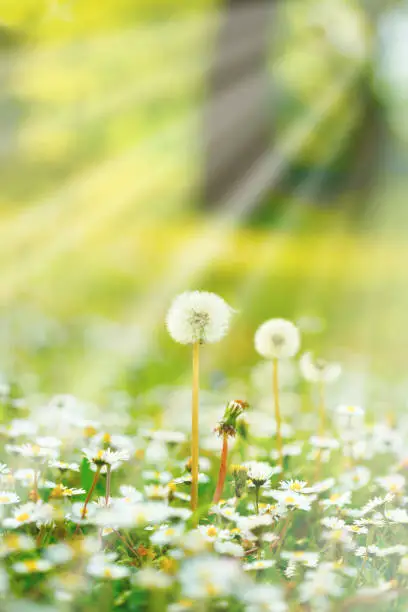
<point>277,339</point>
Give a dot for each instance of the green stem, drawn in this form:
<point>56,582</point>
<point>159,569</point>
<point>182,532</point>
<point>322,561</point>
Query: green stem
<point>257,499</point>
<point>108,484</point>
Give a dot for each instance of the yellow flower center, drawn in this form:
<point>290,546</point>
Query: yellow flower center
<point>212,531</point>
<point>89,431</point>
<point>169,532</point>
<point>289,500</point>
<point>107,573</point>
<point>296,486</point>
<point>334,497</point>
<point>12,541</point>
<point>140,518</point>
<point>106,438</point>
<point>31,565</point>
<point>4,499</point>
<point>24,516</point>
<point>211,589</point>
<point>58,491</point>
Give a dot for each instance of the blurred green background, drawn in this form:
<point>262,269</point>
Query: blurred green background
<point>103,219</point>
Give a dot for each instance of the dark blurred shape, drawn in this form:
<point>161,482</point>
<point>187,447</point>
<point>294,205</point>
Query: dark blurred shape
<point>10,42</point>
<point>236,123</point>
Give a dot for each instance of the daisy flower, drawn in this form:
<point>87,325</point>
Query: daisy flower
<point>210,576</point>
<point>320,584</point>
<point>166,534</point>
<point>393,483</point>
<point>62,466</point>
<point>33,451</point>
<point>61,491</point>
<point>149,578</point>
<point>7,497</point>
<point>229,548</point>
<point>103,566</point>
<point>306,558</point>
<point>104,458</point>
<point>264,598</point>
<point>12,543</point>
<point>337,500</point>
<point>350,411</point>
<point>32,566</point>
<point>258,565</point>
<point>291,499</point>
<point>258,472</point>
<point>397,515</point>
<point>299,486</point>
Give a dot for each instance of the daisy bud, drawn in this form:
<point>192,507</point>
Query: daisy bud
<point>277,339</point>
<point>240,475</point>
<point>228,424</point>
<point>198,317</point>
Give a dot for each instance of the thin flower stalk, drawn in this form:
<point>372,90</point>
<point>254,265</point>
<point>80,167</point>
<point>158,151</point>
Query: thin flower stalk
<point>227,428</point>
<point>278,417</point>
<point>223,470</point>
<point>195,426</point>
<point>322,409</point>
<point>91,490</point>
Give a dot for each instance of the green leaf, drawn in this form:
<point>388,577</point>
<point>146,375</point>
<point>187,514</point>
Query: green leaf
<point>86,474</point>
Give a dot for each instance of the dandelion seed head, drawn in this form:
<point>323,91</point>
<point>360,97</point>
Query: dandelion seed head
<point>198,317</point>
<point>277,339</point>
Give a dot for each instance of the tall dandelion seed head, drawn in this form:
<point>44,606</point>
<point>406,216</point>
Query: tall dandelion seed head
<point>198,317</point>
<point>277,339</point>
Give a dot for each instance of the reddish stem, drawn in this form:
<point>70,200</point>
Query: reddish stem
<point>223,470</point>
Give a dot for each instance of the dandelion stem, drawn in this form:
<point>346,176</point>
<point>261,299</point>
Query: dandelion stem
<point>223,470</point>
<point>322,410</point>
<point>194,428</point>
<point>40,536</point>
<point>277,411</point>
<point>282,534</point>
<point>108,484</point>
<point>91,490</point>
<point>34,493</point>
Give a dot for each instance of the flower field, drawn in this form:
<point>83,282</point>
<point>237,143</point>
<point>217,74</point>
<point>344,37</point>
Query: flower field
<point>279,500</point>
<point>203,306</point>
